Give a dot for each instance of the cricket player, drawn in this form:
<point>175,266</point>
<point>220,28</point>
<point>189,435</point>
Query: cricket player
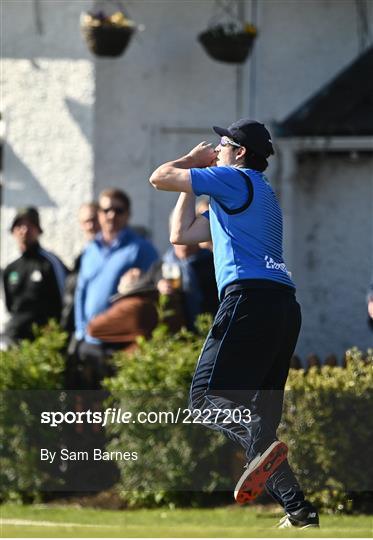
<point>240,377</point>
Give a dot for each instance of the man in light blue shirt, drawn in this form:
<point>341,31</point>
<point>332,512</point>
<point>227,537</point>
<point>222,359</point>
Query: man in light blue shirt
<point>116,249</point>
<point>244,363</point>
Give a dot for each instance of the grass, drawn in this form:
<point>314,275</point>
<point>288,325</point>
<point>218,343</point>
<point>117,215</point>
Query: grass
<point>69,521</point>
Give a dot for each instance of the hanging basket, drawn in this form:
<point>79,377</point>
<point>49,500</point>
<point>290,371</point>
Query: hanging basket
<point>106,39</point>
<point>232,48</point>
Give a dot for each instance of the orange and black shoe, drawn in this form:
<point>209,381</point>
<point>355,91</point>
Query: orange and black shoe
<point>252,482</point>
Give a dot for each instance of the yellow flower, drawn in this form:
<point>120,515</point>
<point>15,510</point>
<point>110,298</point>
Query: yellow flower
<point>119,19</point>
<point>250,29</point>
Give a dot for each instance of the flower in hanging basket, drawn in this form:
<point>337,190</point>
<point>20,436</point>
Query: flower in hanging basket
<point>230,43</point>
<point>117,19</point>
<point>107,35</point>
<point>250,29</point>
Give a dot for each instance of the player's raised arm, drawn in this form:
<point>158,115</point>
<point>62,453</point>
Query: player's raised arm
<point>186,227</point>
<point>175,175</point>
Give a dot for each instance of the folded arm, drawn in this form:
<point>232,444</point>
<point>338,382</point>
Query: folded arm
<point>186,227</point>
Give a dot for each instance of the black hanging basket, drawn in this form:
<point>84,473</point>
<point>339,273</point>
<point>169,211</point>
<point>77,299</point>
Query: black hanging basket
<point>107,40</point>
<point>232,48</point>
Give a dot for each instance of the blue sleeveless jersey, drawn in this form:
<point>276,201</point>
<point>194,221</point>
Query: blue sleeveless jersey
<point>247,243</point>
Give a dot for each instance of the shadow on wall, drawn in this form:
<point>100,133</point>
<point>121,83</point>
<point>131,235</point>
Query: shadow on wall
<point>21,187</point>
<point>81,115</point>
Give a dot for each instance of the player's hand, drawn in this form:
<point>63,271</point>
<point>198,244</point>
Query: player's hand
<point>370,309</point>
<point>204,155</point>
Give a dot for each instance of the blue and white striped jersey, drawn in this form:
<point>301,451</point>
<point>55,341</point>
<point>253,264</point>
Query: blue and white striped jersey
<point>247,244</point>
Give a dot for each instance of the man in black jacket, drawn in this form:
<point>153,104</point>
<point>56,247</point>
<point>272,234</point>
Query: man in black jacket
<point>34,283</point>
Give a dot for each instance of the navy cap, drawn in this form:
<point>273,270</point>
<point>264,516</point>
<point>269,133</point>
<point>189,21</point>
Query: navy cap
<point>30,213</point>
<point>251,134</point>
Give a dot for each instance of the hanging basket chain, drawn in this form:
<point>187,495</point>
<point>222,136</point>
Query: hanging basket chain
<point>102,5</point>
<point>228,38</point>
<point>226,13</point>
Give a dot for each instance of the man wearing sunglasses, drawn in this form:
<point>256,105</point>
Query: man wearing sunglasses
<point>115,250</point>
<point>245,360</point>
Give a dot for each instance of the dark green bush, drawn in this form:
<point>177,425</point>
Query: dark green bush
<point>35,365</point>
<point>328,426</point>
<point>25,371</point>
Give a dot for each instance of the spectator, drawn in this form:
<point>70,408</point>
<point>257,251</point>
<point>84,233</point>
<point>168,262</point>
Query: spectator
<point>197,280</point>
<point>34,283</point>
<point>88,221</point>
<point>132,314</point>
<point>370,305</point>
<point>116,249</point>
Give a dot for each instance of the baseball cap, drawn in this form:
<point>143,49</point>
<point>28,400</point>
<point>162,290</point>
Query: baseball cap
<point>29,213</point>
<point>250,134</point>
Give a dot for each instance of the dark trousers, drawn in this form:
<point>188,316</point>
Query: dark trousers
<point>244,365</point>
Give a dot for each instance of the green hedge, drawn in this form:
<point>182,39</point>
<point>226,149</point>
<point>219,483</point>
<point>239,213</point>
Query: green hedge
<point>25,369</point>
<point>327,424</point>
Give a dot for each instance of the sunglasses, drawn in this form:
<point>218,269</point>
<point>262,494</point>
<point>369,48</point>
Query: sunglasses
<point>225,141</point>
<point>116,209</point>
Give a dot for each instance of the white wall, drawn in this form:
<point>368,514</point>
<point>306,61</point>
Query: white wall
<point>303,44</point>
<point>47,105</point>
<point>333,243</point>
